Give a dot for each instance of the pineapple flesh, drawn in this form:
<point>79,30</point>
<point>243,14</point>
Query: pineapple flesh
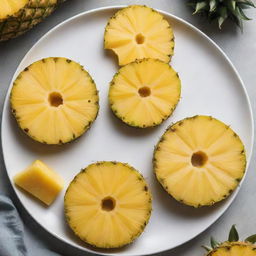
<point>138,32</point>
<point>54,100</point>
<point>108,204</point>
<point>199,161</point>
<point>144,93</point>
<point>18,16</point>
<point>234,249</point>
<point>40,181</point>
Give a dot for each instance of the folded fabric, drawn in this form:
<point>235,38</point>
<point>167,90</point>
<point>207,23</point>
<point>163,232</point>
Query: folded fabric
<point>12,233</point>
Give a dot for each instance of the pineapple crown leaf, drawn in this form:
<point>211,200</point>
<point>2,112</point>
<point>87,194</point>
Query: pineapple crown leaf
<point>207,248</point>
<point>221,10</point>
<point>232,237</point>
<point>233,234</point>
<point>251,239</point>
<point>214,243</point>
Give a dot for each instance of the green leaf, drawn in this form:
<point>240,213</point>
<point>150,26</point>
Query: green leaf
<point>200,6</point>
<point>240,14</point>
<point>233,234</point>
<point>246,2</point>
<point>207,248</point>
<point>213,5</point>
<point>223,16</point>
<point>214,243</point>
<point>251,239</point>
<point>232,6</point>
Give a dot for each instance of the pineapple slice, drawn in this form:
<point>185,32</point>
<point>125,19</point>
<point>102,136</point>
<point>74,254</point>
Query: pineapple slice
<point>138,32</point>
<point>40,181</point>
<point>144,93</point>
<point>54,100</point>
<point>108,204</point>
<point>18,16</point>
<point>199,160</point>
<point>234,249</point>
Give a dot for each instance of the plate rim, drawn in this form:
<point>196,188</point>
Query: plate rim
<point>195,29</point>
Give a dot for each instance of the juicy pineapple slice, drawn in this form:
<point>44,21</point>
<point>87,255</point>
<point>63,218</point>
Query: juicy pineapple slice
<point>40,181</point>
<point>54,100</point>
<point>18,16</point>
<point>138,32</point>
<point>199,160</point>
<point>234,249</point>
<point>144,93</point>
<point>108,204</point>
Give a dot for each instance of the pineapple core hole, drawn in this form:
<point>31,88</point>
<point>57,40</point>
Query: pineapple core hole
<point>55,99</point>
<point>140,38</point>
<point>108,204</point>
<point>199,159</point>
<point>144,91</point>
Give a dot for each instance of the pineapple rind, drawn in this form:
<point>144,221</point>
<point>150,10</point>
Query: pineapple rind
<point>149,204</point>
<point>73,137</point>
<point>162,181</point>
<point>168,56</point>
<point>225,247</point>
<point>133,123</point>
<point>26,18</point>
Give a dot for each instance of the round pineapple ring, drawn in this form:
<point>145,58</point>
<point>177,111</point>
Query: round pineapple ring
<point>138,32</point>
<point>54,100</point>
<point>199,160</point>
<point>108,204</point>
<point>234,249</point>
<point>144,93</point>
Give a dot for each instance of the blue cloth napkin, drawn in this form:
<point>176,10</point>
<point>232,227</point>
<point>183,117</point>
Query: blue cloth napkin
<point>12,233</point>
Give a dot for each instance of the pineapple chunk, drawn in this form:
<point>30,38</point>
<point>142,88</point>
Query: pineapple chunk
<point>199,160</point>
<point>40,181</point>
<point>138,32</point>
<point>108,204</point>
<point>54,100</point>
<point>144,93</point>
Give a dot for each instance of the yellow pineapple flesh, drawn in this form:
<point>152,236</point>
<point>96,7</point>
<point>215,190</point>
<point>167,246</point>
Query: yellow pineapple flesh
<point>54,100</point>
<point>144,93</point>
<point>138,32</point>
<point>108,204</point>
<point>40,181</point>
<point>234,249</point>
<point>199,160</point>
<point>10,7</point>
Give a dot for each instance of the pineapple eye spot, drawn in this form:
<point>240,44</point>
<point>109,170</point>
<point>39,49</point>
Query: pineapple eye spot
<point>55,99</point>
<point>199,159</point>
<point>140,39</point>
<point>144,91</point>
<point>108,204</point>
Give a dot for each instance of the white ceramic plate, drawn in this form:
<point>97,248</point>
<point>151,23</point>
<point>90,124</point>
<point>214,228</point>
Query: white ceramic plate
<point>210,85</point>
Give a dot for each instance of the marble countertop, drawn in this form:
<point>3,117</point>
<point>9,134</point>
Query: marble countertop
<point>239,47</point>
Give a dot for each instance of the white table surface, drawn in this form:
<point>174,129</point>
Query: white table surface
<point>240,48</point>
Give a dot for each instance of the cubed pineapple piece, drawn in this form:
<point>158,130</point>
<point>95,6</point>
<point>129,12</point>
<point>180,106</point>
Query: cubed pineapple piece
<point>41,181</point>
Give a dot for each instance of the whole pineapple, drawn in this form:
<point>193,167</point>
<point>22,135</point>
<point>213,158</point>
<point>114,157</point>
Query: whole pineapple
<point>108,204</point>
<point>138,32</point>
<point>199,161</point>
<point>54,100</point>
<point>18,16</point>
<point>222,10</point>
<point>232,247</point>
